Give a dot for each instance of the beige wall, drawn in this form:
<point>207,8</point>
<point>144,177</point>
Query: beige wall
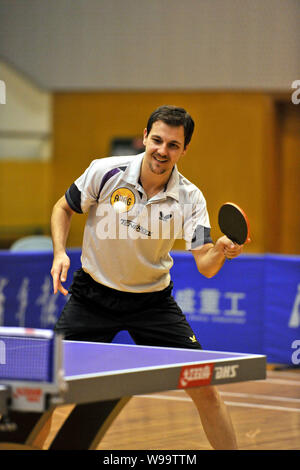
<point>25,118</point>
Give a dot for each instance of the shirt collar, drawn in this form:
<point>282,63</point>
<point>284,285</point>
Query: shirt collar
<point>132,174</point>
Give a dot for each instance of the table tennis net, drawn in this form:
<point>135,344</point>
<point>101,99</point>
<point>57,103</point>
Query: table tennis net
<point>26,358</point>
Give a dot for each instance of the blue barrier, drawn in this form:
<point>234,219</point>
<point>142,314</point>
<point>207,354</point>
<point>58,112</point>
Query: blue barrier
<point>252,305</point>
<point>282,309</point>
<point>226,310</point>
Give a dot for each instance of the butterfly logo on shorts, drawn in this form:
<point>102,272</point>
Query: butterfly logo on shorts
<point>193,339</point>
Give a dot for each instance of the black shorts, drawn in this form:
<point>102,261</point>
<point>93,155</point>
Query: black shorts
<point>95,312</point>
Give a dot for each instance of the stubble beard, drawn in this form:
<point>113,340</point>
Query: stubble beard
<point>157,171</point>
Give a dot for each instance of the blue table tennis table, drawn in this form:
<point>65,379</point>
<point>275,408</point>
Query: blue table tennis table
<point>39,371</point>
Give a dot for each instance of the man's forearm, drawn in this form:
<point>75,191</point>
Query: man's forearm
<point>210,258</point>
<point>210,263</point>
<point>60,227</point>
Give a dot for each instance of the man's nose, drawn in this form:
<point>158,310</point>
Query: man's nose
<point>163,149</point>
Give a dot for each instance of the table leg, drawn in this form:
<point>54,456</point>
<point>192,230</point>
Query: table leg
<point>87,424</point>
<point>29,432</point>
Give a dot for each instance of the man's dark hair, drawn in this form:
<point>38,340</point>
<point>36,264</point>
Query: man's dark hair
<point>173,116</point>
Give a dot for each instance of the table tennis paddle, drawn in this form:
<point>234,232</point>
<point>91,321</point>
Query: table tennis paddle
<point>234,223</point>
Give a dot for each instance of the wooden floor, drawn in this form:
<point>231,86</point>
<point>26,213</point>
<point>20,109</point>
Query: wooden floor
<point>265,414</point>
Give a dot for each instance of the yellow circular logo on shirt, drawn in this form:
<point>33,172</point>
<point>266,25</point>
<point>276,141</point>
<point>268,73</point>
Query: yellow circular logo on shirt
<point>122,199</point>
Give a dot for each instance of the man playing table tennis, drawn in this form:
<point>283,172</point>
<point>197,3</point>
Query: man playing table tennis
<point>137,206</point>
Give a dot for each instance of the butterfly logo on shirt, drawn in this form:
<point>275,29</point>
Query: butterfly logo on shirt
<point>165,218</point>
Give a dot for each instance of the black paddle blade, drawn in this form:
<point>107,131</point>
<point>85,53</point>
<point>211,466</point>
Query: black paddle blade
<point>233,222</point>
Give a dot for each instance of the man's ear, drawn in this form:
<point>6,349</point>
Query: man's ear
<point>145,136</point>
<point>185,149</point>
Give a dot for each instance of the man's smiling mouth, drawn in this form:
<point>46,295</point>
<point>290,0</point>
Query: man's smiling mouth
<point>160,160</point>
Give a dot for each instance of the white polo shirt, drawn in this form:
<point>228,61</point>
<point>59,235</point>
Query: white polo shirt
<point>129,249</point>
